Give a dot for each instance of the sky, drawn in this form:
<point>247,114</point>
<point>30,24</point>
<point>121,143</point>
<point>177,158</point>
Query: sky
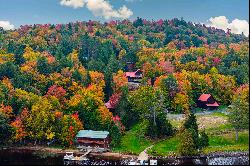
<point>223,14</point>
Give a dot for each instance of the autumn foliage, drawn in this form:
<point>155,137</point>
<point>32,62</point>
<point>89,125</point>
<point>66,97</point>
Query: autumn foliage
<point>56,79</point>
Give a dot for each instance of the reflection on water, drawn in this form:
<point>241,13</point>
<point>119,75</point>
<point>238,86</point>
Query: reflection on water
<point>242,160</point>
<point>10,157</point>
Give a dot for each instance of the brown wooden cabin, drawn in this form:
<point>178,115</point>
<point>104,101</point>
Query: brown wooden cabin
<point>207,101</point>
<point>134,76</point>
<point>92,138</point>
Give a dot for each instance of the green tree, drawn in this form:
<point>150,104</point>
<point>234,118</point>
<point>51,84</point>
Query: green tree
<point>43,67</point>
<point>128,116</point>
<point>147,101</point>
<point>191,124</point>
<point>239,115</point>
<point>187,145</point>
<point>163,127</point>
<point>8,69</point>
<point>116,135</point>
<point>169,88</point>
<point>5,130</point>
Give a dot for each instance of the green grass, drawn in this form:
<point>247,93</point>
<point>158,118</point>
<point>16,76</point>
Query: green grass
<point>217,143</point>
<point>175,123</point>
<point>221,138</point>
<point>228,148</point>
<point>221,114</point>
<point>166,147</point>
<point>133,142</point>
<point>229,139</point>
<point>227,142</point>
<point>219,129</point>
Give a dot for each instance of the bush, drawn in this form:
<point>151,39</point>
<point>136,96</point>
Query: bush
<point>187,145</point>
<point>203,140</point>
<point>115,136</point>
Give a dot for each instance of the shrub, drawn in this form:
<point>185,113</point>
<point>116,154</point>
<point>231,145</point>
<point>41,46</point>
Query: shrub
<point>203,140</point>
<point>115,136</point>
<point>187,145</point>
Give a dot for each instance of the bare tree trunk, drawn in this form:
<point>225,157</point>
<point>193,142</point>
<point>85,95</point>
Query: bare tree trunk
<point>236,134</point>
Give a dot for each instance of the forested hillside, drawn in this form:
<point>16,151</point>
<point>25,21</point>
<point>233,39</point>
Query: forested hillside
<point>56,79</point>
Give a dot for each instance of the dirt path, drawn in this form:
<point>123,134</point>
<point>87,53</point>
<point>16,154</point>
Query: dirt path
<point>144,155</point>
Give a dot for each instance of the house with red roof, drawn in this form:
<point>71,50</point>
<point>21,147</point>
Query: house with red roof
<point>113,101</point>
<point>110,105</point>
<point>135,76</point>
<point>207,101</point>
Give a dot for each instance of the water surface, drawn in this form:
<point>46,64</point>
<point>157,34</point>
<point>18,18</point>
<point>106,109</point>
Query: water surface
<point>13,157</point>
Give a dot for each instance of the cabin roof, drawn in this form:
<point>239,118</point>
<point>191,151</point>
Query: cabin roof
<point>215,104</point>
<point>132,74</point>
<point>109,106</point>
<point>92,134</point>
<point>204,97</point>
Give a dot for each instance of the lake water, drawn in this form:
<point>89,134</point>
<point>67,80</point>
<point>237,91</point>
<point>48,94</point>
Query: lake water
<point>10,157</point>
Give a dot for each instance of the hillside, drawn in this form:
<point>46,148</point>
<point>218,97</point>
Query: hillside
<point>56,79</point>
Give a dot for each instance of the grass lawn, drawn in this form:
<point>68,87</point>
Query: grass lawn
<point>165,147</point>
<point>227,142</point>
<point>133,142</point>
<point>220,132</point>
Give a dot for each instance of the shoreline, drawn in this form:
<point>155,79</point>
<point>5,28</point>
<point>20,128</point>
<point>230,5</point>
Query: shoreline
<point>118,156</point>
<point>59,151</point>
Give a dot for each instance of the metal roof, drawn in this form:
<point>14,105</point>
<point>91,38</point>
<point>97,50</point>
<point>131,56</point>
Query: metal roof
<point>204,97</point>
<point>133,74</point>
<point>215,104</point>
<point>92,134</point>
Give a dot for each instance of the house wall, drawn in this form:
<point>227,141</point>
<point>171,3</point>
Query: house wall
<point>103,143</point>
<point>201,104</point>
<point>210,100</point>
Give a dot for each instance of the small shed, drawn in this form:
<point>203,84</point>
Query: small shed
<point>207,101</point>
<point>93,138</point>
